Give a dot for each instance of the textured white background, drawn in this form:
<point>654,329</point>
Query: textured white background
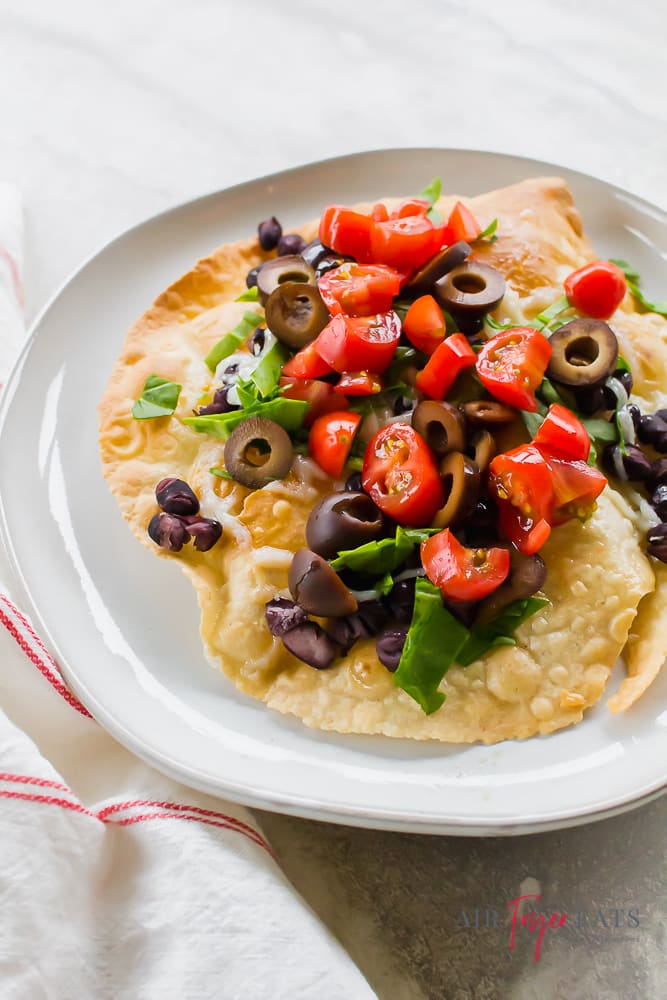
<point>113,111</point>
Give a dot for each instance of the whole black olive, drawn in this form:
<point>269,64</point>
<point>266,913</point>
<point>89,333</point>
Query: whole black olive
<point>283,615</point>
<point>657,542</point>
<point>389,647</point>
<point>310,643</point>
<point>291,243</point>
<point>174,496</point>
<point>251,277</point>
<point>317,587</point>
<point>205,531</point>
<point>279,271</point>
<point>220,403</point>
<point>471,289</point>
<point>343,521</point>
<point>659,501</point>
<point>295,313</point>
<point>169,532</point>
<point>269,232</point>
<point>583,352</point>
<point>423,280</point>
<point>653,430</point>
<point>257,451</point>
<point>658,473</point>
<point>353,483</point>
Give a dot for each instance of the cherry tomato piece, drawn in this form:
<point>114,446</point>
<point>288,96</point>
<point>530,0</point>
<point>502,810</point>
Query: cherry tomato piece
<point>320,396</point>
<point>306,363</point>
<point>412,206</point>
<point>563,434</point>
<point>463,574</point>
<point>512,364</point>
<point>405,243</point>
<point>462,225</point>
<point>576,487</point>
<point>525,535</point>
<point>360,343</point>
<point>346,231</point>
<point>331,438</point>
<point>444,366</point>
<point>359,384</point>
<point>521,482</point>
<point>359,289</point>
<point>596,289</point>
<point>379,213</point>
<point>401,476</point>
<point>424,324</point>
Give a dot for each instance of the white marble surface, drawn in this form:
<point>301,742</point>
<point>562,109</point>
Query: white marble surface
<point>112,112</point>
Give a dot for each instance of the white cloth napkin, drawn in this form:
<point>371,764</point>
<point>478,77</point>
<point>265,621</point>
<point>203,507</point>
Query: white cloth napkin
<point>116,882</point>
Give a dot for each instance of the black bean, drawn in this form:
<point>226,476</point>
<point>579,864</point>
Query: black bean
<point>593,398</point>
<point>353,483</point>
<point>257,341</point>
<point>389,647</point>
<point>251,277</point>
<point>636,464</point>
<point>657,542</point>
<point>289,244</point>
<point>659,501</point>
<point>658,472</point>
<point>205,531</point>
<point>374,615</point>
<point>403,404</point>
<point>481,526</point>
<point>347,630</point>
<point>169,532</point>
<point>269,233</point>
<point>220,403</point>
<point>310,643</point>
<point>402,599</point>
<point>662,414</point>
<point>653,430</point>
<point>283,615</point>
<point>174,496</point>
<point>625,378</point>
<point>635,413</point>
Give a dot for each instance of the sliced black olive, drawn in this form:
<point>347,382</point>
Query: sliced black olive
<point>257,451</point>
<point>657,542</point>
<point>659,501</point>
<point>526,576</point>
<point>583,352</point>
<point>317,587</point>
<point>480,412</point>
<point>269,232</point>
<point>169,532</point>
<point>310,643</point>
<point>461,481</point>
<point>205,531</point>
<point>321,258</point>
<point>343,521</point>
<point>174,496</point>
<point>283,615</point>
<point>295,314</point>
<point>389,647</point>
<point>424,279</point>
<point>440,424</point>
<point>471,289</point>
<point>281,269</point>
<point>290,243</point>
<point>482,449</point>
<point>652,429</point>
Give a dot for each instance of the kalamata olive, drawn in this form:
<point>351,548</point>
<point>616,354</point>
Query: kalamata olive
<point>310,643</point>
<point>169,532</point>
<point>295,314</point>
<point>401,600</point>
<point>652,429</point>
<point>251,277</point>
<point>659,501</point>
<point>461,481</point>
<point>658,473</point>
<point>343,521</point>
<point>281,270</point>
<point>471,289</point>
<point>373,614</point>
<point>257,451</point>
<point>269,232</point>
<point>526,576</point>
<point>317,587</point>
<point>389,647</point>
<point>483,412</point>
<point>423,280</point>
<point>220,403</point>
<point>482,448</point>
<point>657,542</point>
<point>353,483</point>
<point>348,630</point>
<point>174,496</point>
<point>205,531</point>
<point>289,244</point>
<point>283,615</point>
<point>440,424</point>
<point>257,341</point>
<point>583,352</point>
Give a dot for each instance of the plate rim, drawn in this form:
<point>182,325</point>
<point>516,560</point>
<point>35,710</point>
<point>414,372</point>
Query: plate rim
<point>289,804</point>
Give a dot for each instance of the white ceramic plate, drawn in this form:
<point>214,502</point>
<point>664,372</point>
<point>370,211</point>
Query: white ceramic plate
<point>124,625</point>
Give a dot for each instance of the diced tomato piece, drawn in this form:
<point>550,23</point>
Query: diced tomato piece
<point>359,289</point>
<point>401,476</point>
<point>412,206</point>
<point>563,434</point>
<point>444,366</point>
<point>307,363</point>
<point>346,231</point>
<point>320,396</point>
<point>406,242</point>
<point>596,289</point>
<point>462,224</point>
<point>463,574</point>
<point>576,487</point>
<point>521,482</point>
<point>361,343</point>
<point>512,364</point>
<point>359,384</point>
<point>331,438</point>
<point>525,535</point>
<point>424,324</point>
<point>379,213</point>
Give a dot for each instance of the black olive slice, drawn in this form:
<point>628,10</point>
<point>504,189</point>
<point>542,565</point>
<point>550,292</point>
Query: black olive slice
<point>423,280</point>
<point>343,521</point>
<point>461,480</point>
<point>583,352</point>
<point>317,587</point>
<point>257,451</point>
<point>483,412</point>
<point>526,576</point>
<point>440,424</point>
<point>321,258</point>
<point>281,269</point>
<point>471,289</point>
<point>482,449</point>
<point>295,314</point>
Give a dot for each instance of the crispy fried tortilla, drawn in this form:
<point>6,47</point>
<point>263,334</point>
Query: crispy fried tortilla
<point>598,574</point>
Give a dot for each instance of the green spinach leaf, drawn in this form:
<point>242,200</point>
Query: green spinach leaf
<point>232,340</point>
<point>159,398</point>
<point>289,413</point>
